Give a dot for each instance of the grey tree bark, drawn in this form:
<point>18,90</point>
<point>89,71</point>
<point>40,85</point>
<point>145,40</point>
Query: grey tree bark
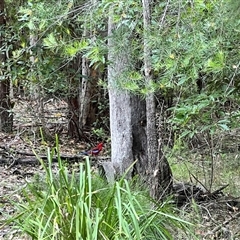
<point>120,102</point>
<point>84,93</point>
<point>84,90</point>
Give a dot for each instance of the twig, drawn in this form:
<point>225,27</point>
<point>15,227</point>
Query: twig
<point>220,189</point>
<point>223,224</point>
<point>200,183</point>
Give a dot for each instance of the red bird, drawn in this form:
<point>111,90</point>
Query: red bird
<point>95,151</point>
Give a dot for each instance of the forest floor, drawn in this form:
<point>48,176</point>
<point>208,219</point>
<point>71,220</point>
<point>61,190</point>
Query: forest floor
<point>214,219</point>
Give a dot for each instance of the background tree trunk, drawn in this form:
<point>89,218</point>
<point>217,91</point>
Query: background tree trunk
<point>74,129</point>
<point>88,95</point>
<point>84,90</point>
<point>139,121</point>
<point>159,172</point>
<point>6,116</point>
<point>88,88</point>
<point>84,93</point>
<point>36,91</point>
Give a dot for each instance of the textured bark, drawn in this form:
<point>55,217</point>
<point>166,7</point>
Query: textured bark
<point>133,119</point>
<point>95,95</point>
<point>88,95</point>
<point>159,172</point>
<point>84,93</point>
<point>74,131</point>
<point>139,121</point>
<point>120,105</point>
<point>6,117</point>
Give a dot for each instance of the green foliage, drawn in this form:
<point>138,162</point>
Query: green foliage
<point>81,205</point>
<point>99,133</point>
<point>186,115</point>
<point>196,42</point>
<point>194,53</point>
<point>36,45</point>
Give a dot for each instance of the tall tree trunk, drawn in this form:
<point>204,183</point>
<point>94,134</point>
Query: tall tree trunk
<point>88,94</point>
<point>139,120</point>
<point>84,93</point>
<point>88,90</point>
<point>120,103</point>
<point>159,173</point>
<point>84,90</point>
<point>6,117</point>
<point>35,89</point>
<point>132,118</point>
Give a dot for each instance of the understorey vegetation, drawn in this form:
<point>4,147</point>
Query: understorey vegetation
<point>148,90</point>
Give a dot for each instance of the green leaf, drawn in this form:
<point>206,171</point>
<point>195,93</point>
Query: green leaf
<point>217,63</point>
<point>72,49</point>
<point>50,41</point>
<point>224,126</point>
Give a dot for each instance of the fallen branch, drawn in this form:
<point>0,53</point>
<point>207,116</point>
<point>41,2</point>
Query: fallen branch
<point>34,160</point>
<point>217,228</point>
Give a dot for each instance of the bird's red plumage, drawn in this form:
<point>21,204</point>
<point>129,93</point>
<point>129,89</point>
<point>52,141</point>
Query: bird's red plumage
<point>94,151</point>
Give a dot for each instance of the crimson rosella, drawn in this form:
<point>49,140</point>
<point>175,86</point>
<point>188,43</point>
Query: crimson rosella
<point>94,151</point>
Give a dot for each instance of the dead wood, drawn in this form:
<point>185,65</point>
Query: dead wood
<point>184,193</point>
<point>11,157</point>
<point>219,227</point>
<point>35,160</point>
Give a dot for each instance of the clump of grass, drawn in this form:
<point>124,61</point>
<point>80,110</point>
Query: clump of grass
<point>84,206</point>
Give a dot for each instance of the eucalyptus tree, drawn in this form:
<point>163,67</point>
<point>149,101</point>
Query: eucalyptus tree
<point>191,56</point>
<point>119,100</point>
<point>134,138</point>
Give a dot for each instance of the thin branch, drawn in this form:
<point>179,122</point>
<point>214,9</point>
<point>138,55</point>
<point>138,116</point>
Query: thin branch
<point>234,74</point>
<point>164,14</point>
<point>217,228</point>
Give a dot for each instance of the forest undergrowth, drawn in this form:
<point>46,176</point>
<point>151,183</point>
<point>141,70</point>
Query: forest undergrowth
<point>213,219</point>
